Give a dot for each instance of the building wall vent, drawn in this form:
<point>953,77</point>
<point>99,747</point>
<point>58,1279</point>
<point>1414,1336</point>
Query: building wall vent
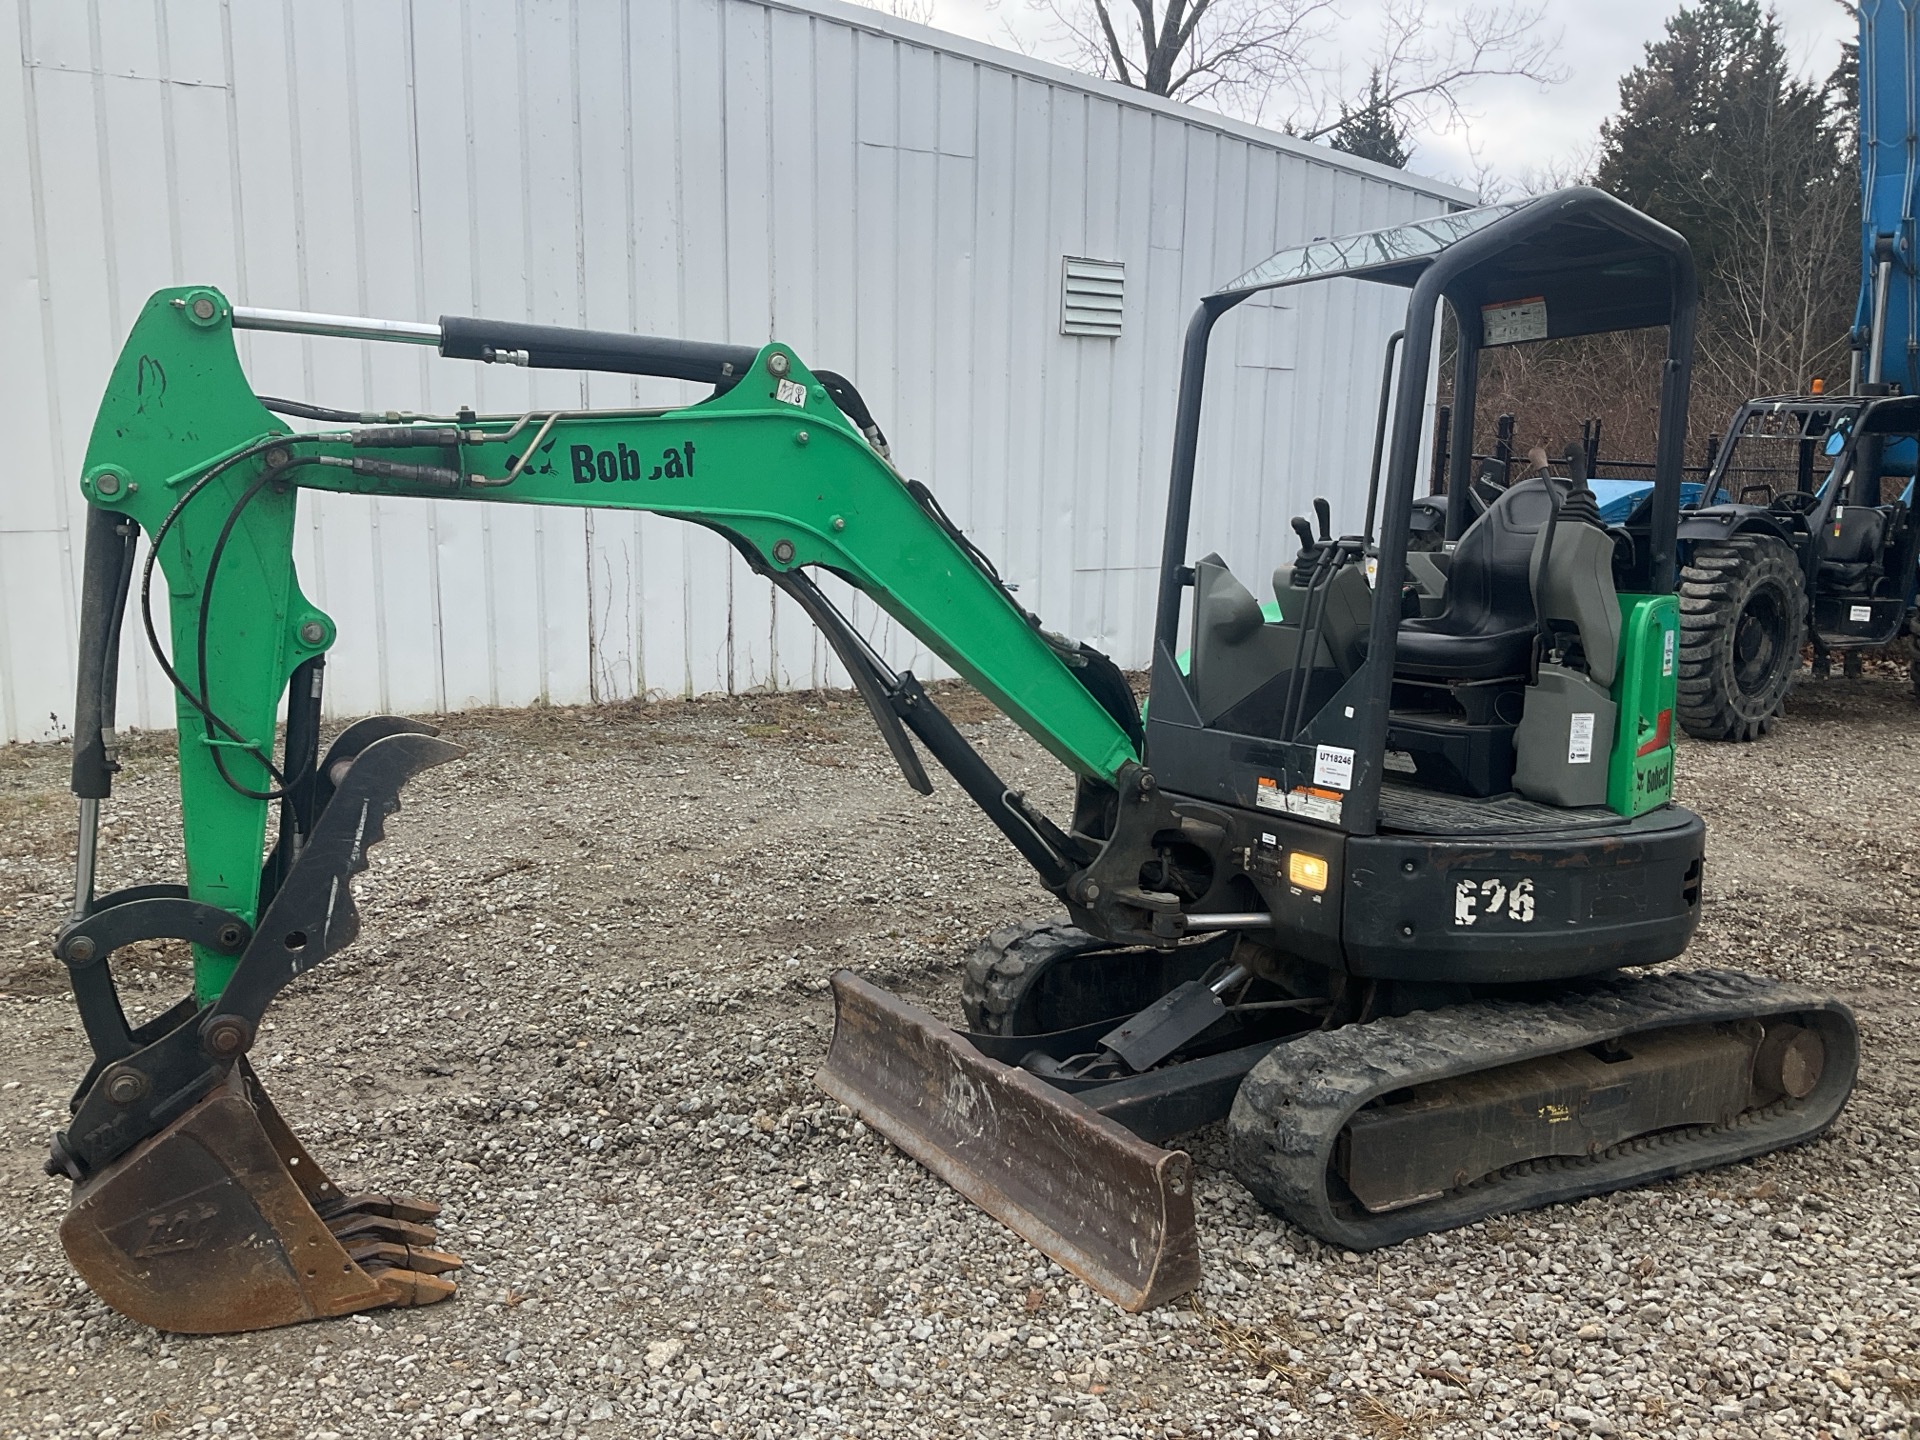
<point>1091,295</point>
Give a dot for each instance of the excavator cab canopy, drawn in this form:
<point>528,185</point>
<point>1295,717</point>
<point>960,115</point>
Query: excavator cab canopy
<point>1588,275</point>
<point>1260,714</point>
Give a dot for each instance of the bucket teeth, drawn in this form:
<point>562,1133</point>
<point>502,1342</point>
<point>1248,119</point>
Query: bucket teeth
<point>350,1227</point>
<point>400,1207</point>
<point>374,1256</point>
<point>403,1287</point>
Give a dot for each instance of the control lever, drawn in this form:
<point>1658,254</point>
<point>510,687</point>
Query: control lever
<point>1323,512</point>
<point>1304,531</point>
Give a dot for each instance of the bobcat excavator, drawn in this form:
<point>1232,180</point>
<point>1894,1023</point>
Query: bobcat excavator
<point>1360,883</point>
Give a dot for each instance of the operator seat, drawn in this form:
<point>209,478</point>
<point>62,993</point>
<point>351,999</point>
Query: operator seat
<point>1488,627</point>
<point>1850,557</point>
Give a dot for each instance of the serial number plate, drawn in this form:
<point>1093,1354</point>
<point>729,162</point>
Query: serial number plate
<point>1499,899</point>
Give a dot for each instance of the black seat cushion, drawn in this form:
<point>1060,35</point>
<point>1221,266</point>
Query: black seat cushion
<point>1488,628</point>
<point>1850,578</point>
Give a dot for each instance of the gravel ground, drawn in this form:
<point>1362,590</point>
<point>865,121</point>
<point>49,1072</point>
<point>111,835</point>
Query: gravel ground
<point>588,999</point>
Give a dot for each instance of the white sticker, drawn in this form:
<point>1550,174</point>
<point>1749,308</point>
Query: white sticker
<point>1268,795</point>
<point>790,392</point>
<point>1314,804</point>
<point>1857,613</point>
<point>1493,899</point>
<point>1333,766</point>
<point>1580,738</point>
<point>1373,570</point>
<point>1508,322</point>
<point>1400,762</point>
<point>1666,652</point>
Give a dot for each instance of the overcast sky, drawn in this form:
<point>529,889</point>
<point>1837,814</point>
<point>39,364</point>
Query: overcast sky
<point>1517,129</point>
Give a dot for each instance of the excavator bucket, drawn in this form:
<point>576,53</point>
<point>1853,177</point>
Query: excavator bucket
<point>1076,1185</point>
<point>221,1222</point>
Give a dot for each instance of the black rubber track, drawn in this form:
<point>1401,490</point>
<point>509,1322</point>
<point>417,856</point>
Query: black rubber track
<point>1023,978</point>
<point>1292,1107</point>
<point>1005,965</point>
<point>1717,587</point>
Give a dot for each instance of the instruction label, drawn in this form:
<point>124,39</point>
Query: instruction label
<point>1580,738</point>
<point>1508,322</point>
<point>1314,804</point>
<point>1268,795</point>
<point>790,392</point>
<point>1667,646</point>
<point>1859,614</point>
<point>1333,766</point>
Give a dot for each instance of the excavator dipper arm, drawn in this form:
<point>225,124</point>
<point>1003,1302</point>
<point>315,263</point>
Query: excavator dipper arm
<point>194,1207</point>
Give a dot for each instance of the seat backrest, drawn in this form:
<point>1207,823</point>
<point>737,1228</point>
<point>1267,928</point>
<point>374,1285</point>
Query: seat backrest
<point>1488,584</point>
<point>1854,535</point>
<point>1571,574</point>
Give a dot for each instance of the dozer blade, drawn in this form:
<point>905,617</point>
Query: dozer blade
<point>1077,1186</point>
<point>221,1222</point>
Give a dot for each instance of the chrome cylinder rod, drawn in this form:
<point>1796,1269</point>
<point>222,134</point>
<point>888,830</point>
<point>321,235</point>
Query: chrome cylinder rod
<point>1877,339</point>
<point>1234,920</point>
<point>346,327</point>
<point>89,841</point>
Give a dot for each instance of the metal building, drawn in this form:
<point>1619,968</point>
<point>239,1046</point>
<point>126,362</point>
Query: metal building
<point>1001,253</point>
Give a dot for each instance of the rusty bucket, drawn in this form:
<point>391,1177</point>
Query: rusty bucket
<point>222,1222</point>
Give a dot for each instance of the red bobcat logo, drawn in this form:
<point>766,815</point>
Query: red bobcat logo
<point>177,1231</point>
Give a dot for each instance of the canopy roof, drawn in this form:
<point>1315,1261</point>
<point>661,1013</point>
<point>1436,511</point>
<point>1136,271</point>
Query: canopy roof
<point>1575,262</point>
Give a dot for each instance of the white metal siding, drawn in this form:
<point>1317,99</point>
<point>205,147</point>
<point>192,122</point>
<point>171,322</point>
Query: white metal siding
<point>894,203</point>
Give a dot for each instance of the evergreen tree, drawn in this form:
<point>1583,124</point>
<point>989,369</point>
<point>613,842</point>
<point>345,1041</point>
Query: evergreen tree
<point>1719,139</point>
<point>1372,131</point>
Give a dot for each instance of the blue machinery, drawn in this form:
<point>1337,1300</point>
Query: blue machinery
<point>1886,326</point>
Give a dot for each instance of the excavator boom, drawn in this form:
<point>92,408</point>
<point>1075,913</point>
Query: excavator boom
<point>175,1151</point>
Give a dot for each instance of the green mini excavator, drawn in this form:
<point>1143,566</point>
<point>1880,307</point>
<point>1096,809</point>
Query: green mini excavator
<point>1364,881</point>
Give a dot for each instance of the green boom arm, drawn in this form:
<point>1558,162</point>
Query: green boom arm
<point>772,463</point>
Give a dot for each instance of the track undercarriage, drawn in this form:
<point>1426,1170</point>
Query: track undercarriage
<point>1363,1128</point>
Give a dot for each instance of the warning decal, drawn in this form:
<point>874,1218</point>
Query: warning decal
<point>1508,322</point>
<point>1580,738</point>
<point>1314,804</point>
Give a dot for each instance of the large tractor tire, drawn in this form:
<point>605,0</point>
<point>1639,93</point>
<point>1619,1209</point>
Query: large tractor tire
<point>1743,619</point>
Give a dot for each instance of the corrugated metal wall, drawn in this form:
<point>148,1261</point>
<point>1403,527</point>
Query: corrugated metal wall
<point>893,203</point>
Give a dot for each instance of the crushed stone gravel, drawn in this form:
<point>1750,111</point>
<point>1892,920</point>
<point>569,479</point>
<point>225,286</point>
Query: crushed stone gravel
<point>587,1001</point>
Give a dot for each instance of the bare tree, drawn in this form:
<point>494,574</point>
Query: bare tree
<point>1275,58</point>
<point>918,11</point>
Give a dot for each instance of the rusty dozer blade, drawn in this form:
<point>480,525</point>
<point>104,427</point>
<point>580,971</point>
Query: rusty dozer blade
<point>221,1222</point>
<point>1077,1186</point>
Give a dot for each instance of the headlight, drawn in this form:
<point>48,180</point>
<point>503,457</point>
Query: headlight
<point>1309,872</point>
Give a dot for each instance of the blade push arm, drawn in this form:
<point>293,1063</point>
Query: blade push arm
<point>184,447</point>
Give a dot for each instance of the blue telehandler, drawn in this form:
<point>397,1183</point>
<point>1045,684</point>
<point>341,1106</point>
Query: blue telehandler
<point>1831,561</point>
